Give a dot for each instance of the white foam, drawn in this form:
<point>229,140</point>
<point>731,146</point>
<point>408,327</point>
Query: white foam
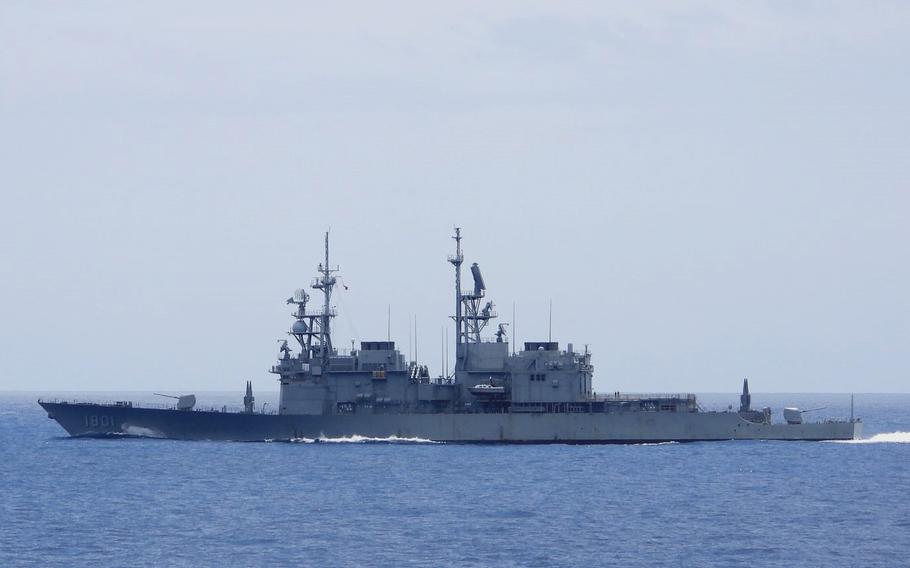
<point>884,438</point>
<point>357,439</point>
<point>130,430</point>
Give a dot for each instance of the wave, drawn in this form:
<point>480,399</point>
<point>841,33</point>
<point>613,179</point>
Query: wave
<point>141,431</point>
<point>357,439</point>
<point>884,438</point>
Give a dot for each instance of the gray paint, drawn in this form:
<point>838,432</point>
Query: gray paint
<point>540,394</point>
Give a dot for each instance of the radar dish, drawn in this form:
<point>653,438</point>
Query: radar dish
<point>300,296</point>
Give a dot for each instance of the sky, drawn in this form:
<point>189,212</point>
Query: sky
<point>706,191</point>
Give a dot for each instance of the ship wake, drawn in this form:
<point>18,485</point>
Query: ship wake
<point>884,438</point>
<point>140,432</point>
<point>357,439</point>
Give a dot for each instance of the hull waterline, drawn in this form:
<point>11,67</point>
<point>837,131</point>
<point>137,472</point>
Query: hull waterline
<point>87,419</point>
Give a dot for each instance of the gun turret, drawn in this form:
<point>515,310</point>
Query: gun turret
<point>184,402</point>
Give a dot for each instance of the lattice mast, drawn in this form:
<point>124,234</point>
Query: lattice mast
<point>312,329</point>
<point>326,282</point>
<point>470,317</point>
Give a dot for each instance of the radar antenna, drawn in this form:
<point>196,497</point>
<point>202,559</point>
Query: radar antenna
<point>470,315</point>
<point>284,349</point>
<point>312,328</point>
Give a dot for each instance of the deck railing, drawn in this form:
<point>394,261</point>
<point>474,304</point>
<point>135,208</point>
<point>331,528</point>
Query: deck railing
<point>640,396</point>
<point>232,409</point>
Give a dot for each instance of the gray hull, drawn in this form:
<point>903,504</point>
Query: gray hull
<point>582,428</point>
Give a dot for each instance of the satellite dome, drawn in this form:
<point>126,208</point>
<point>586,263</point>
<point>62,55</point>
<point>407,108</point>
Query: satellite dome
<point>299,327</point>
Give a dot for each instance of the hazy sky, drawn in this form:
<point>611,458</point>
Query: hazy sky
<point>707,190</point>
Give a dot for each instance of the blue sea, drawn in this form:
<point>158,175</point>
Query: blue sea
<point>144,502</point>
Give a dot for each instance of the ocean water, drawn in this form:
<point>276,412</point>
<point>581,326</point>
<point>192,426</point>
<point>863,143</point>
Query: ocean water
<point>142,502</point>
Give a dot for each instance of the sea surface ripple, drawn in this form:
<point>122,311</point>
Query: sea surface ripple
<point>146,502</point>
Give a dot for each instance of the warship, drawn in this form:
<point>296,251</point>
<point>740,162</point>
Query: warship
<point>538,394</point>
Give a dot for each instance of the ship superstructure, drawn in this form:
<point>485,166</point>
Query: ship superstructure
<point>540,393</point>
<point>376,379</point>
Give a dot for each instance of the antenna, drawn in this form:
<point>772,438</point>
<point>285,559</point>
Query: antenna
<point>415,339</point>
<point>312,329</point>
<point>550,332</point>
<point>456,261</point>
<point>325,282</point>
<point>447,352</point>
<point>389,329</point>
<point>851,409</point>
<point>442,351</point>
<point>514,337</point>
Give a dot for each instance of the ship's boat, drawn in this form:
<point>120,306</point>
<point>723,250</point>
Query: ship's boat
<point>484,390</point>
